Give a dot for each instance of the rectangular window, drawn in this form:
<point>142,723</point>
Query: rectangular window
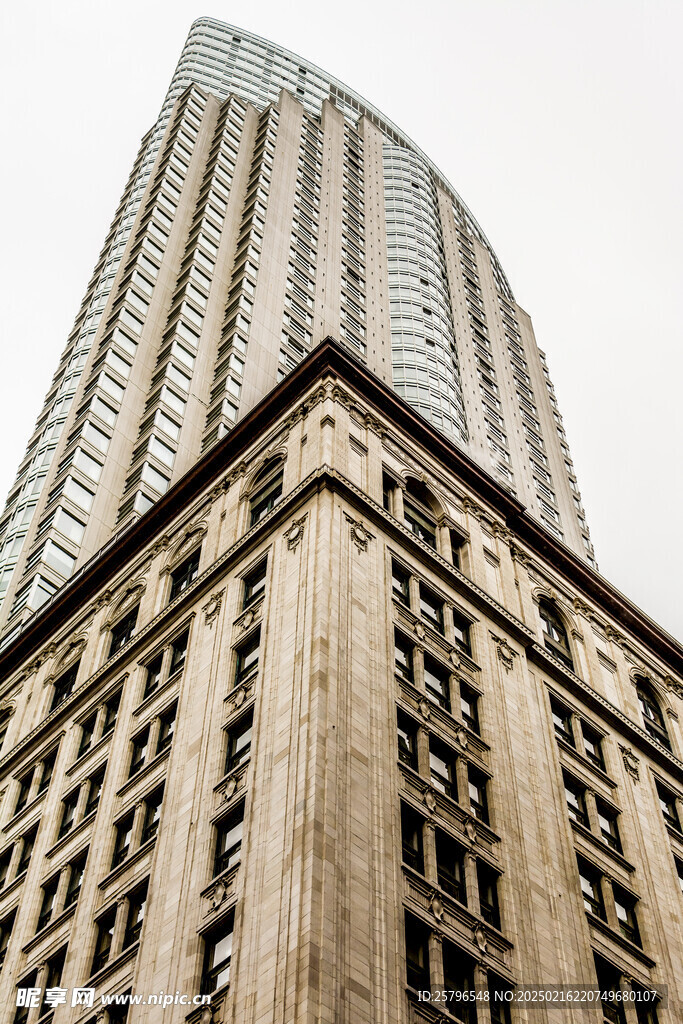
<point>679,872</point>
<point>403,657</point>
<point>458,975</point>
<point>266,498</point>
<point>217,956</point>
<point>400,584</point>
<point>152,814</point>
<point>24,790</point>
<point>5,860</point>
<point>592,745</point>
<point>105,934</point>
<point>124,834</point>
<point>591,889</point>
<point>139,752</point>
<point>166,728</point>
<point>87,733</point>
<point>47,770</point>
<point>625,904</point>
<point>437,682</point>
<point>76,872</point>
<point>450,866</point>
<point>239,743</point>
<point>95,784</point>
<point>137,901</point>
<point>461,628</point>
<point>562,721</point>
<point>153,676</point>
<point>417,953</point>
<point>667,802</point>
<point>47,903</point>
<point>609,829</point>
<point>469,707</point>
<point>229,834</point>
<point>442,763</point>
<point>123,630</point>
<point>184,575</point>
<point>575,794</point>
<point>412,824</point>
<point>6,926</point>
<point>63,686</point>
<point>431,608</point>
<point>254,584</point>
<point>478,798</point>
<point>419,524</point>
<point>28,841</point>
<point>111,710</point>
<point>247,657</point>
<point>407,741</point>
<point>69,805</point>
<point>488,894</point>
<point>178,653</point>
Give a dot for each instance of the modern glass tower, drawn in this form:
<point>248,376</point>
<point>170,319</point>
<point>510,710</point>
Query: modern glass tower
<point>270,207</point>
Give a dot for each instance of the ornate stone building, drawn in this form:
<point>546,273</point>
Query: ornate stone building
<point>337,723</point>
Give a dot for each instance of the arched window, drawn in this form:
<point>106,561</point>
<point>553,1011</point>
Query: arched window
<point>655,725</point>
<point>418,512</point>
<point>266,490</point>
<point>554,633</point>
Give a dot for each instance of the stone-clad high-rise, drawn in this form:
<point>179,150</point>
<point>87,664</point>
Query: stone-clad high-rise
<point>269,207</point>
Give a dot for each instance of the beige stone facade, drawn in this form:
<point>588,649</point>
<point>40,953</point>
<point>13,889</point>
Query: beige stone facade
<point>388,713</point>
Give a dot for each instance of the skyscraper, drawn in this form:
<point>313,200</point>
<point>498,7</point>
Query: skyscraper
<point>311,712</point>
<point>260,216</point>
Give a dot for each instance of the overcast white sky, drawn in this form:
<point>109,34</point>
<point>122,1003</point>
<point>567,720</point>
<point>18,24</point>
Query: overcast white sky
<point>559,123</point>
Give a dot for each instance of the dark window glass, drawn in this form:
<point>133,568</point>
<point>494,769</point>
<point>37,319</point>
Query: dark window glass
<point>667,801</point>
<point>462,633</point>
<point>69,805</point>
<point>111,710</point>
<point>388,486</point>
<point>94,790</point>
<point>105,933</point>
<point>469,707</point>
<point>179,653</point>
<point>411,836</point>
<point>554,633</point>
<point>458,976</point>
<point>53,978</point>
<point>247,659</point>
<point>47,770</point>
<point>152,806</point>
<point>254,584</point>
<point>76,872</point>
<point>478,798</point>
<point>645,1004</point>
<point>153,677</point>
<point>607,818</point>
<point>24,790</point>
<point>22,1012</point>
<point>166,728</point>
<point>403,657</point>
<point>27,843</point>
<point>400,584</point>
<point>4,726</point>
<point>591,889</point>
<point>442,762</point>
<point>123,630</point>
<point>137,901</point>
<point>417,953</point>
<point>217,956</point>
<point>562,721</point>
<point>6,926</point>
<point>592,745</point>
<point>139,754</point>
<point>450,866</point>
<point>63,686</point>
<point>652,716</point>
<point>499,1005</point>
<point>609,981</point>
<point>679,872</point>
<point>5,860</point>
<point>47,903</point>
<point>456,544</point>
<point>124,834</point>
<point>488,894</point>
<point>407,741</point>
<point>437,682</point>
<point>431,608</point>
<point>185,574</point>
<point>87,733</point>
<point>575,794</point>
<point>229,841</point>
<point>625,905</point>
<point>266,497</point>
<point>419,523</point>
<point>239,743</point>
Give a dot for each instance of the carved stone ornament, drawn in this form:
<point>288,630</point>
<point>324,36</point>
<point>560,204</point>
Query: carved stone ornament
<point>238,696</point>
<point>674,686</point>
<point>424,708</point>
<point>220,893</point>
<point>213,607</point>
<point>455,658</point>
<point>519,556</point>
<point>436,906</point>
<point>230,788</point>
<point>419,630</point>
<point>463,738</point>
<point>429,799</point>
<point>471,829</point>
<point>480,938</point>
<point>504,651</point>
<point>582,608</point>
<point>295,533</point>
<point>206,1016</point>
<point>247,619</point>
<point>359,535</point>
<point>631,762</point>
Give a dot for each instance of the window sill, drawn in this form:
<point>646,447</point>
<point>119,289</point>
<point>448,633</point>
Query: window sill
<point>80,761</point>
<point>76,830</point>
<point>131,859</point>
<point>636,952</point>
<point>147,701</point>
<point>130,953</point>
<point>144,772</point>
<point>604,850</point>
<point>51,926</point>
<point>24,812</point>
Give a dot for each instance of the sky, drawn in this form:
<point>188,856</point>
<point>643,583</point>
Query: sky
<point>557,121</point>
